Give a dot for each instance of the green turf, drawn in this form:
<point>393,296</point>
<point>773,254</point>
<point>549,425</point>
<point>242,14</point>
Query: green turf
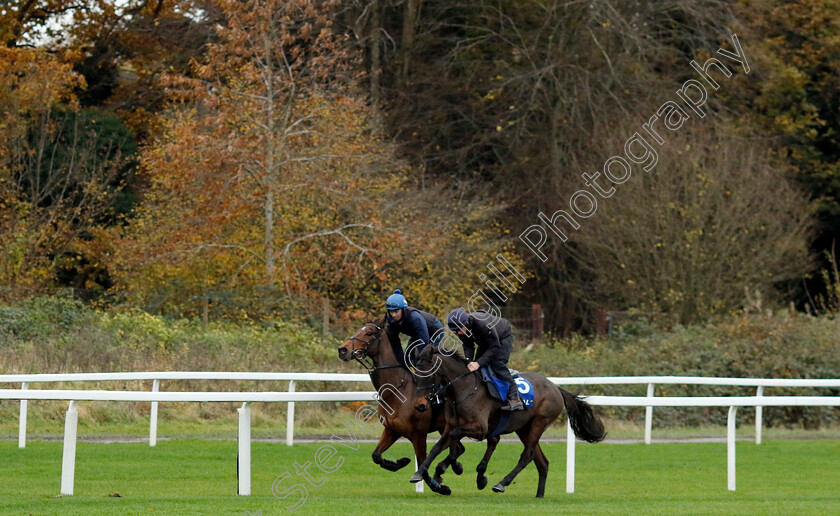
<point>199,477</point>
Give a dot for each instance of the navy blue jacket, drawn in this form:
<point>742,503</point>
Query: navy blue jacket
<point>418,325</point>
<point>489,340</point>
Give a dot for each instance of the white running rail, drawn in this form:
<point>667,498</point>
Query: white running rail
<point>246,398</point>
<point>244,446</point>
<point>733,402</point>
<point>156,377</point>
<point>71,419</point>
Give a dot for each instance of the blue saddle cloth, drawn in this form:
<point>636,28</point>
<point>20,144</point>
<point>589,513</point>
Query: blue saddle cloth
<point>499,388</point>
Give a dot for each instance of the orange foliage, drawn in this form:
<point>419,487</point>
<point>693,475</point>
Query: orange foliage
<point>272,179</point>
<point>32,82</point>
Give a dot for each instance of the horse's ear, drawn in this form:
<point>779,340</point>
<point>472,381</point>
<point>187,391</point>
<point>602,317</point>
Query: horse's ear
<point>433,350</point>
<point>380,322</point>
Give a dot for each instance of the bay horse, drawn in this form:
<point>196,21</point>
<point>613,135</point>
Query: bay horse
<point>472,412</point>
<point>370,347</point>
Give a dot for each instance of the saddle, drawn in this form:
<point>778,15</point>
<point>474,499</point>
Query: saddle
<point>498,388</point>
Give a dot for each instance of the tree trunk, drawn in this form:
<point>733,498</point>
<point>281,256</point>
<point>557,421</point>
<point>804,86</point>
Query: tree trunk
<point>410,19</point>
<point>375,53</point>
<point>556,153</point>
<point>269,237</point>
<point>271,172</point>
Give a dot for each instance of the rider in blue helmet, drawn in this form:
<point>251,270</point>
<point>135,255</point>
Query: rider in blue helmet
<point>493,339</point>
<point>422,328</point>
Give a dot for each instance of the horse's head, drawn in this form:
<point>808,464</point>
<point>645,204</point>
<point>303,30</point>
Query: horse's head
<point>364,343</point>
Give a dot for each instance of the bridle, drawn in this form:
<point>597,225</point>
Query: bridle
<point>437,392</point>
<point>360,355</point>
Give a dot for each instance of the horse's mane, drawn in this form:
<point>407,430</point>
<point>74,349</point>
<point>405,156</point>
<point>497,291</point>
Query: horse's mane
<point>453,359</point>
<point>377,322</point>
<point>380,323</point>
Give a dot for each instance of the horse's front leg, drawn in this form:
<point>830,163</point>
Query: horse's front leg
<point>455,451</point>
<point>444,442</point>
<point>418,439</point>
<point>388,438</point>
<point>481,480</point>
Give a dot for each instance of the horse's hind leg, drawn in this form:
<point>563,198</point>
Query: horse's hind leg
<point>541,462</point>
<point>481,480</point>
<point>388,438</point>
<point>531,440</point>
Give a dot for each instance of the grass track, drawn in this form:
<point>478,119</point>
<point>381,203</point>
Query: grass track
<point>199,477</point>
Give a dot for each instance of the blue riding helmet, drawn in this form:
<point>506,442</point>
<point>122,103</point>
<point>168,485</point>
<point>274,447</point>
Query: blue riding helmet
<point>396,301</point>
<point>457,319</point>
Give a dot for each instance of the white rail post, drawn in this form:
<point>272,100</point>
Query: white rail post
<point>730,447</point>
<point>22,428</point>
<point>648,415</point>
<point>418,487</point>
<point>153,416</point>
<point>759,413</point>
<point>68,461</point>
<point>570,458</point>
<point>290,418</point>
<point>244,472</point>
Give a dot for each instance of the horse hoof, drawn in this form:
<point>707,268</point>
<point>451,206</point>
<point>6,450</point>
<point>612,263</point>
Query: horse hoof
<point>403,462</point>
<point>436,486</point>
<point>457,468</point>
<point>416,477</point>
<point>499,488</point>
<point>482,482</point>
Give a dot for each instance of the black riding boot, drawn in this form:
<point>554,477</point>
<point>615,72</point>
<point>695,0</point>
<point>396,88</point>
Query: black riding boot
<point>513,401</point>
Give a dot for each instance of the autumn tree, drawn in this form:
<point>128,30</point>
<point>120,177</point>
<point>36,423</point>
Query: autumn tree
<point>697,233</point>
<point>126,48</point>
<point>273,178</point>
<point>523,94</point>
<point>61,168</point>
<point>793,97</point>
<point>25,22</point>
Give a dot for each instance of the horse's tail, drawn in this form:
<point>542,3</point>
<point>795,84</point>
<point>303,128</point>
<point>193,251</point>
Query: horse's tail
<point>585,424</point>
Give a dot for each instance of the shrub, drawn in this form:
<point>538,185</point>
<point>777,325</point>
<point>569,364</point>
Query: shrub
<point>750,346</point>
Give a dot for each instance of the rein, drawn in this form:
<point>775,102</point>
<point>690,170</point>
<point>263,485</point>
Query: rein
<point>439,391</point>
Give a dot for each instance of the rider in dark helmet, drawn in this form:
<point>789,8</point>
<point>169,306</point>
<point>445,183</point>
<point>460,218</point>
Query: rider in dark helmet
<point>494,340</point>
<point>422,328</point>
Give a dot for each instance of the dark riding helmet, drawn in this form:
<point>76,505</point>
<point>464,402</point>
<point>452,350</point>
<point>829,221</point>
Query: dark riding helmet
<point>458,319</point>
<point>396,301</point>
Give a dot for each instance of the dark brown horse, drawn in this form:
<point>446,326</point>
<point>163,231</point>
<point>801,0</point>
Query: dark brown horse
<point>397,392</point>
<point>472,412</point>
